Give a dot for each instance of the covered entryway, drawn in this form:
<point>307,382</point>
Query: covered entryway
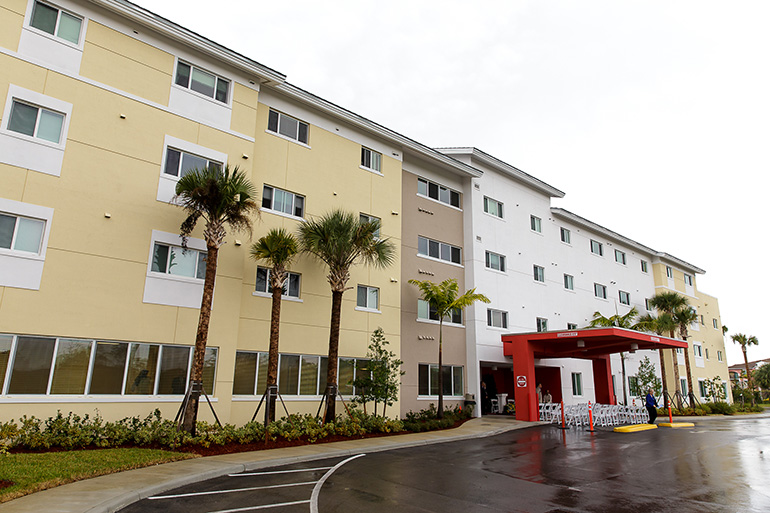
<point>596,344</point>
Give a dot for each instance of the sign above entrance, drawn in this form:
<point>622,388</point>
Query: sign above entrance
<point>521,381</point>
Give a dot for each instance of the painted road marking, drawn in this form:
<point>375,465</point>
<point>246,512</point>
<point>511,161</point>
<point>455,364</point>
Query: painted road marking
<point>320,483</point>
<point>266,506</point>
<point>215,492</point>
<point>267,473</point>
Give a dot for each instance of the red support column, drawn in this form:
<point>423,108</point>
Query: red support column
<point>603,380</point>
<point>524,381</point>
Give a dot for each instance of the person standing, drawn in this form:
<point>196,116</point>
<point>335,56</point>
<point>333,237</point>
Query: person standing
<point>486,402</point>
<point>651,405</point>
<point>547,398</point>
<point>539,391</point>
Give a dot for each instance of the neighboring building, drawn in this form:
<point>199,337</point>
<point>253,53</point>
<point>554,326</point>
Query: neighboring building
<point>737,372</point>
<point>105,105</point>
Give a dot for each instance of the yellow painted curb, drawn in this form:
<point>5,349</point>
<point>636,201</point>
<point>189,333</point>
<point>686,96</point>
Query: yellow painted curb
<point>634,428</point>
<point>676,424</point>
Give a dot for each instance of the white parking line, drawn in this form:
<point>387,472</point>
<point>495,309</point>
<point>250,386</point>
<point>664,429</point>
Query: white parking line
<point>266,506</point>
<point>278,472</point>
<point>215,492</point>
<point>320,483</point>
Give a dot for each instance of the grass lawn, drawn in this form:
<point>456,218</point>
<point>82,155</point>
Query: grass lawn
<point>32,472</point>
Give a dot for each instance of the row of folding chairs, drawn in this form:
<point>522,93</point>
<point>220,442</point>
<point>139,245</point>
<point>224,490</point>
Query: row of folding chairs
<point>603,414</point>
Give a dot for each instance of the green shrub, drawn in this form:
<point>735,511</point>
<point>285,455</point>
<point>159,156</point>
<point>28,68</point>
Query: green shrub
<point>721,407</point>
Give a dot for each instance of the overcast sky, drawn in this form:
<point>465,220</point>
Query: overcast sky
<point>652,116</point>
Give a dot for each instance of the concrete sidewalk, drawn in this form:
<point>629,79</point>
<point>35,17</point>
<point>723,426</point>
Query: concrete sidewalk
<point>115,491</point>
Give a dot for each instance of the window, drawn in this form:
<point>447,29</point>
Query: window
<point>56,22</point>
<point>287,126</point>
<point>279,200</point>
<point>203,82</point>
<point>703,322</point>
<point>687,279</point>
<point>702,386</point>
<point>428,380</point>
<point>440,250</point>
<point>715,323</point>
<point>493,207</point>
<point>566,236</point>
<point>497,318</point>
<point>596,248</point>
<point>427,312</point>
<point>697,350</point>
<point>366,218</point>
<point>539,273</point>
<point>572,326</point>
<point>719,356</point>
<point>633,386</point>
<point>683,386</point>
<point>569,282</point>
<point>542,324</point>
<point>644,266</point>
<point>577,383</point>
<point>178,261</point>
<point>109,363</point>
<point>625,297</point>
<point>535,224</point>
<point>438,192</point>
<point>647,305</point>
<point>620,257</point>
<point>290,285</point>
<point>37,122</point>
<point>368,297</point>
<point>179,163</point>
<point>370,159</point>
<point>21,233</point>
<point>669,272</point>
<point>495,261</point>
<point>600,291</point>
<point>707,353</point>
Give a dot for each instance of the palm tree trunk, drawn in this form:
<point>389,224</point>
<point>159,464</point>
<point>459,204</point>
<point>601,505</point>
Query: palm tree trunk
<point>196,376</point>
<point>334,347</point>
<point>272,359</point>
<point>440,371</point>
<point>748,375</point>
<point>690,390</point>
<point>623,369</point>
<point>663,377</point>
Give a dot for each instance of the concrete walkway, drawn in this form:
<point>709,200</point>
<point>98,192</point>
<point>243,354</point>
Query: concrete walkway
<point>114,491</point>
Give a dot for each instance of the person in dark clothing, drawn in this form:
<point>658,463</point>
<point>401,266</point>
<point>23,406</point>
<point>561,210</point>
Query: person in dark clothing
<point>651,404</point>
<point>486,402</point>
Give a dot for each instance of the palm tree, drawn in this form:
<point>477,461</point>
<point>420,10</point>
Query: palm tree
<point>278,248</point>
<point>746,341</point>
<point>620,321</point>
<point>340,239</point>
<point>444,299</point>
<point>220,197</point>
<point>668,303</point>
<point>658,325</point>
<point>684,317</point>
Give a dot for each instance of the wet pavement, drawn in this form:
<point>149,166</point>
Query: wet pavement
<point>721,465</point>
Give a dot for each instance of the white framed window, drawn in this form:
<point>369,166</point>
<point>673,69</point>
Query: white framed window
<point>644,265</point>
<point>715,323</point>
<point>287,126</point>
<point>282,201</point>
<point>438,192</point>
<point>291,285</point>
<point>572,326</point>
<point>620,257</point>
<point>179,162</point>
<point>36,121</point>
<point>702,387</point>
<point>439,250</point>
<point>539,273</point>
<point>202,82</point>
<point>21,234</point>
<point>371,160</point>
<point>597,248</point>
<point>177,261</point>
<point>647,305</point>
<point>24,231</point>
<point>542,324</point>
<point>697,350</point>
<point>577,384</point>
<point>175,276</point>
<point>719,356</point>
<point>427,312</point>
<point>428,380</point>
<point>625,297</point>
<point>56,22</point>
<point>683,386</point>
<point>569,282</point>
<point>669,272</point>
<point>179,158</point>
<point>566,236</point>
<point>497,318</point>
<point>688,279</point>
<point>495,261</point>
<point>368,297</point>
<point>535,224</point>
<point>706,350</point>
<point>600,291</point>
<point>366,218</point>
<point>494,207</point>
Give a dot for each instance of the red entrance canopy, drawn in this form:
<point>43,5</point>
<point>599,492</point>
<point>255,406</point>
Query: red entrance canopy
<point>596,344</point>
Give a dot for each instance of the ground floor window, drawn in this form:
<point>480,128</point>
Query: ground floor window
<point>702,386</point>
<point>428,380</point>
<point>32,365</point>
<point>683,384</point>
<point>633,385</point>
<point>577,383</point>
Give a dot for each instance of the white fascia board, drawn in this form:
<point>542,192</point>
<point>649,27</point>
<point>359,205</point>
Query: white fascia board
<point>679,263</point>
<point>505,168</point>
<point>409,145</point>
<point>199,43</point>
